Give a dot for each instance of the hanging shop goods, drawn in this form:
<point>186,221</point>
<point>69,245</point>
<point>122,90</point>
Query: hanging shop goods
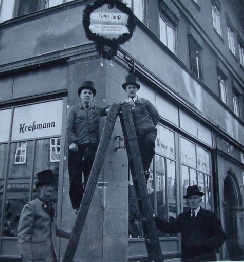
<point>109,23</point>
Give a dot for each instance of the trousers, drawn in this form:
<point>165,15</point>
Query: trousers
<point>147,148</point>
<point>79,167</point>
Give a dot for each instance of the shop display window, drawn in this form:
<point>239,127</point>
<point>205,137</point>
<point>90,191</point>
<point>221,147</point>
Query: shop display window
<point>195,170</point>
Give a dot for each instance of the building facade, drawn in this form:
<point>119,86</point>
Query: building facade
<point>189,59</point>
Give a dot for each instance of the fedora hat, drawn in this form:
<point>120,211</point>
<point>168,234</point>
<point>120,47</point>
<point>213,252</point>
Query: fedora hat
<point>131,79</point>
<point>193,190</point>
<point>44,177</point>
<point>87,85</point>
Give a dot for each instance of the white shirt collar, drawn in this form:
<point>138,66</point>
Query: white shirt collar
<point>196,211</point>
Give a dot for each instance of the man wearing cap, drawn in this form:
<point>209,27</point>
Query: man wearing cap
<point>82,132</point>
<point>146,118</point>
<point>201,230</point>
<point>37,228</point>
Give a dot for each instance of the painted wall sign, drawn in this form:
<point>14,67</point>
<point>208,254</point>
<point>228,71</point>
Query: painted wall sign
<point>39,120</point>
<point>109,23</point>
<point>5,122</point>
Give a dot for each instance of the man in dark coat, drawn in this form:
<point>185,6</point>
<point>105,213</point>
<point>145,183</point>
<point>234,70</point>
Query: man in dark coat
<point>82,132</point>
<point>145,117</point>
<point>201,230</point>
<point>37,226</point>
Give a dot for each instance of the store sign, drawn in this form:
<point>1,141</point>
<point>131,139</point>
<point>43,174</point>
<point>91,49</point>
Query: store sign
<point>5,123</point>
<point>109,23</point>
<point>39,120</point>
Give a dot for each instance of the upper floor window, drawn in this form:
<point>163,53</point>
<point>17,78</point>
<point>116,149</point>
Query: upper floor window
<point>231,39</point>
<point>241,54</point>
<point>137,7</point>
<point>216,18</point>
<point>236,102</point>
<point>222,88</point>
<point>167,33</point>
<point>195,57</point>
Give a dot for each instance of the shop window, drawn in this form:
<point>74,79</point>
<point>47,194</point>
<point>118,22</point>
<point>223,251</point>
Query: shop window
<point>195,57</point>
<point>241,54</point>
<point>167,33</point>
<point>222,88</point>
<point>20,154</point>
<point>54,149</point>
<point>216,18</point>
<point>195,170</point>
<point>231,39</point>
<point>137,7</point>
<point>236,102</point>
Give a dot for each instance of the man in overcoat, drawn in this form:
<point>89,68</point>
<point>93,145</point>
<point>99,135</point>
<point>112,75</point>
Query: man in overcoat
<point>146,118</point>
<point>82,134</point>
<point>201,230</point>
<point>37,227</point>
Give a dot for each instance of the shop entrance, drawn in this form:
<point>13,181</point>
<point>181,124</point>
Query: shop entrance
<point>232,202</point>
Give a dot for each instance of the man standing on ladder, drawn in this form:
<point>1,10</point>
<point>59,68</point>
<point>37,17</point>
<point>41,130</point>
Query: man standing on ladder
<point>82,131</point>
<point>146,118</point>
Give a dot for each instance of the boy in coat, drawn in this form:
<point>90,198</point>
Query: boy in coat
<point>36,231</point>
<point>145,117</point>
<point>82,132</point>
<point>201,230</point>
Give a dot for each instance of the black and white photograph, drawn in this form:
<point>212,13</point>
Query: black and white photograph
<point>121,130</point>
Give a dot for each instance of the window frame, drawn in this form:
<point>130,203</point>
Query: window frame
<point>195,56</point>
<point>221,85</point>
<point>236,102</point>
<point>231,39</point>
<point>168,24</point>
<point>216,19</point>
<point>241,53</point>
<point>131,5</point>
<point>55,149</point>
<point>21,153</point>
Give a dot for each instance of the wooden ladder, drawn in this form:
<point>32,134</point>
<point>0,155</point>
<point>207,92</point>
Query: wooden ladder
<point>144,203</point>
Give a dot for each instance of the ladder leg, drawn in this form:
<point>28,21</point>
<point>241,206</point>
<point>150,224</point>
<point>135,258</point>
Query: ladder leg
<point>91,184</point>
<point>144,203</point>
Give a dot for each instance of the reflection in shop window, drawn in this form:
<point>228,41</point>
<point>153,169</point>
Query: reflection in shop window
<point>54,149</point>
<point>193,174</point>
<point>20,154</point>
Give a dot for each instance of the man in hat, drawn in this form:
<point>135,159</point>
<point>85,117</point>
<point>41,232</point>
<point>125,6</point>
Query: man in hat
<point>82,131</point>
<point>36,231</point>
<point>201,230</point>
<point>146,118</point>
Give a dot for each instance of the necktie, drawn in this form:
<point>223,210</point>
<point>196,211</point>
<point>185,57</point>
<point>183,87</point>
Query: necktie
<point>193,214</point>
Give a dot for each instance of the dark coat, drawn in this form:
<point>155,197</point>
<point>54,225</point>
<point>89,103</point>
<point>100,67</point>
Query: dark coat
<point>200,236</point>
<point>145,116</point>
<point>37,232</point>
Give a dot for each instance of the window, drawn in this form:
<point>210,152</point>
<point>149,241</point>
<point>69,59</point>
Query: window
<point>54,149</point>
<point>195,57</point>
<point>231,40</point>
<point>222,88</point>
<point>241,54</point>
<point>216,19</point>
<point>167,33</point>
<point>20,154</point>
<point>195,170</point>
<point>137,7</point>
<point>236,102</point>
<point>6,9</point>
<point>50,3</point>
